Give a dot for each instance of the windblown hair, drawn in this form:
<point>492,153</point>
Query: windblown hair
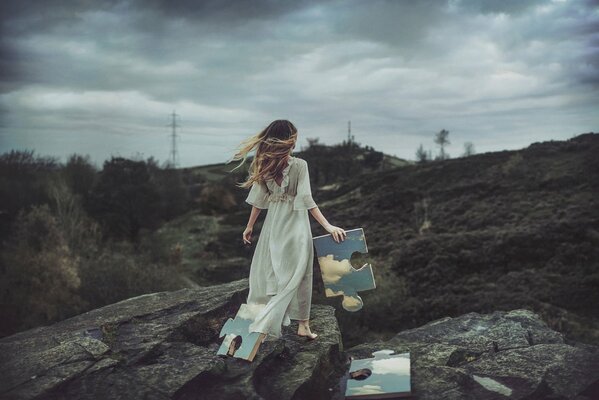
<point>273,144</point>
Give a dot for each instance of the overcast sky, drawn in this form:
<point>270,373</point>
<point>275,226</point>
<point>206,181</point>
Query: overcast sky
<point>81,77</point>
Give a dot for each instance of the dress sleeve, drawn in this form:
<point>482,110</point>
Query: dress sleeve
<point>257,196</point>
<point>303,199</point>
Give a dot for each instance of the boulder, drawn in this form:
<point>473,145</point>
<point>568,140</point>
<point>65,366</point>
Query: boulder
<point>163,346</point>
<point>502,355</point>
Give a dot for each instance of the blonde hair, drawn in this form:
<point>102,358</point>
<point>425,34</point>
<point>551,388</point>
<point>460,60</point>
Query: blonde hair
<point>273,144</point>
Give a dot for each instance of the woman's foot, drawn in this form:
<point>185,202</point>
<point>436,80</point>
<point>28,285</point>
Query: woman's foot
<point>303,329</point>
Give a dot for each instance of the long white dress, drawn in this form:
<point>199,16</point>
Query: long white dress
<point>281,270</point>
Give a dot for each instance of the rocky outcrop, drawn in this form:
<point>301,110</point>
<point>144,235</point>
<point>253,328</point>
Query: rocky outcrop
<point>503,355</point>
<point>163,346</point>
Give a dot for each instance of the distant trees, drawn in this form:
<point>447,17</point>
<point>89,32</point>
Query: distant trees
<point>340,161</point>
<point>80,174</point>
<point>174,193</point>
<point>312,142</point>
<point>125,198</point>
<point>422,155</point>
<point>468,149</point>
<point>55,259</point>
<point>372,158</point>
<point>78,228</point>
<point>39,280</point>
<point>130,195</point>
<point>442,139</point>
<point>23,183</point>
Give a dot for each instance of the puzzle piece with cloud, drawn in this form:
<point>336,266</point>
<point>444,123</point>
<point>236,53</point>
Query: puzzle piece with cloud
<point>238,329</point>
<point>385,375</point>
<point>339,276</point>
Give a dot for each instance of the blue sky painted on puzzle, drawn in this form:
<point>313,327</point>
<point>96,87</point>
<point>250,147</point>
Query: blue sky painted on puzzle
<point>100,78</point>
<point>390,374</point>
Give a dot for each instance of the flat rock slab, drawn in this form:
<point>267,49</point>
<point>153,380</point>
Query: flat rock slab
<point>163,346</point>
<point>502,355</point>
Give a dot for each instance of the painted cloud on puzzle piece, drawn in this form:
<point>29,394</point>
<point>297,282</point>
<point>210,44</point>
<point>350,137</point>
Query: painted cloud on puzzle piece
<point>339,276</point>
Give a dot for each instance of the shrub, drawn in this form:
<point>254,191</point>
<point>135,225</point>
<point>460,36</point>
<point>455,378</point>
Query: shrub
<point>40,279</point>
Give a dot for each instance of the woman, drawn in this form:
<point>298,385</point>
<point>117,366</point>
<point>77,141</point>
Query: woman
<point>281,269</point>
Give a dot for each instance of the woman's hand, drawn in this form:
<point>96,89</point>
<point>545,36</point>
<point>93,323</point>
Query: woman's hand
<point>247,234</point>
<point>337,233</point>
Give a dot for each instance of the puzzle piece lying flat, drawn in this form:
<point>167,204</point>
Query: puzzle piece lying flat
<point>239,328</point>
<point>339,276</point>
<point>380,377</point>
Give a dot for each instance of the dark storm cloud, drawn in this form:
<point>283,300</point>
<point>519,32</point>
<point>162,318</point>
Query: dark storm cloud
<point>229,11</point>
<point>401,70</point>
<point>402,25</point>
<point>22,17</point>
<point>502,6</point>
<point>9,67</point>
<point>221,14</point>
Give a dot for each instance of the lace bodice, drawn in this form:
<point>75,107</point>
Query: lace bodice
<point>294,188</point>
<point>280,193</point>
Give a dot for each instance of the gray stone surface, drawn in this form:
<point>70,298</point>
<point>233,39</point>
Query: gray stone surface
<point>163,346</point>
<point>503,355</point>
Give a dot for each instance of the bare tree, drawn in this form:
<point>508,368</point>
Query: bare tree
<point>421,155</point>
<point>442,140</point>
<point>312,142</point>
<point>468,149</point>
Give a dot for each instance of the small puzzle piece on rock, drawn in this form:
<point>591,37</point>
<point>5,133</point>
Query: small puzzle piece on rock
<point>238,328</point>
<point>339,276</point>
<point>385,375</point>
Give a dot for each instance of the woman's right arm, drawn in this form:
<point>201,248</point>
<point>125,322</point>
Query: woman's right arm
<point>304,201</point>
<point>337,233</point>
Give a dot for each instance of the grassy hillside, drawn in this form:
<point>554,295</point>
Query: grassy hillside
<point>489,232</point>
<point>492,231</point>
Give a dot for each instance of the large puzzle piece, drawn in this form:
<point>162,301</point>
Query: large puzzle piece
<point>381,377</point>
<point>339,276</point>
<point>239,328</point>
